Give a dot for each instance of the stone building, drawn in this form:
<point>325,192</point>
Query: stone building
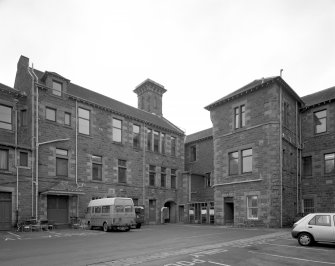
<point>15,154</point>
<point>83,145</point>
<point>198,172</point>
<point>257,152</point>
<point>318,152</point>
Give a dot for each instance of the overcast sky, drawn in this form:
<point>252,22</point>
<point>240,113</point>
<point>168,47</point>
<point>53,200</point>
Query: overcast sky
<point>199,50</point>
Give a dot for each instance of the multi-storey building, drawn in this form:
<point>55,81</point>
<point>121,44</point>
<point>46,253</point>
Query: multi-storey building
<point>274,154</point>
<point>198,173</point>
<point>256,138</point>
<point>318,152</point>
<point>83,145</point>
<point>15,156</point>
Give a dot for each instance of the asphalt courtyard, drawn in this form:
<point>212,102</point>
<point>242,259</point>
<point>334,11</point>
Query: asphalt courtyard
<point>162,245</point>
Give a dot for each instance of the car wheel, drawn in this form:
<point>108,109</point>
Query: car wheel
<point>105,227</point>
<point>138,226</point>
<point>305,239</point>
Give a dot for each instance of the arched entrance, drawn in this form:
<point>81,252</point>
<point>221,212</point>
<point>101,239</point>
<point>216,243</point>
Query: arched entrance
<point>172,210</point>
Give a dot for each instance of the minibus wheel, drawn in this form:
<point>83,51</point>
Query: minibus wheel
<point>105,227</point>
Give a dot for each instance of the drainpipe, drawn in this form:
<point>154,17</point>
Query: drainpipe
<point>77,211</point>
<point>32,139</point>
<point>16,164</point>
<point>143,166</point>
<point>297,144</point>
<point>300,159</point>
<point>76,142</point>
<point>281,154</point>
<point>36,144</point>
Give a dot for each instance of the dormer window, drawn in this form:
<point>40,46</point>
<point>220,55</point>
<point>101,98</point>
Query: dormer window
<point>57,88</point>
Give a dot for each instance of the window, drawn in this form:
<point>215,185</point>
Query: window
<point>136,136</point>
<point>96,168</point>
<point>320,121</point>
<point>135,200</point>
<point>57,88</point>
<point>156,141</point>
<point>24,117</point>
<point>207,180</point>
<point>5,117</point>
<point>239,116</point>
<point>252,207</point>
<point>83,121</point>
<point>308,205</point>
<point>163,139</point>
<point>193,153</point>
<point>105,209</point>
<point>117,130</point>
<point>152,175</point>
<point>247,161</point>
<point>50,114</point>
<point>97,209</point>
<point>329,163</point>
<point>173,178</point>
<point>122,174</point>
<point>61,162</point>
<point>321,220</point>
<point>233,163</point>
<point>119,208</point>
<point>163,177</point>
<point>149,139</point>
<point>286,114</point>
<point>307,166</point>
<point>173,146</point>
<point>3,159</point>
<point>67,119</point>
<point>23,158</point>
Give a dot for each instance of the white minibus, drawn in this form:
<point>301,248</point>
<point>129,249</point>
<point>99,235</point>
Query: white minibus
<point>111,214</point>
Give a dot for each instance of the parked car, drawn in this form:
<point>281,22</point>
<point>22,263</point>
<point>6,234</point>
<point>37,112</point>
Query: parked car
<point>315,227</point>
<point>139,211</point>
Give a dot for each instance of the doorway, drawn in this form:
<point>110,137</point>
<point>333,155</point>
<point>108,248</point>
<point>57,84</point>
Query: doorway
<point>5,210</point>
<point>229,211</point>
<point>58,209</point>
<point>172,212</point>
<point>152,211</point>
<point>181,213</point>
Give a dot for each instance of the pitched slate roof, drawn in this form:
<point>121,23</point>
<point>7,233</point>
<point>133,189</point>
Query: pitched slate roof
<point>319,97</point>
<point>201,135</point>
<point>90,96</point>
<point>8,89</point>
<point>254,85</point>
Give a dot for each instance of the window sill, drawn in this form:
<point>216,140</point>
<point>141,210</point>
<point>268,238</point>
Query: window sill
<point>24,167</point>
<point>117,143</point>
<point>84,135</point>
<point>96,181</point>
<point>7,130</point>
<point>6,172</point>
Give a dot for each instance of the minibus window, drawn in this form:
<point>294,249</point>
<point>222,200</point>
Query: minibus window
<point>105,209</point>
<point>97,209</point>
<point>118,208</point>
<point>128,208</point>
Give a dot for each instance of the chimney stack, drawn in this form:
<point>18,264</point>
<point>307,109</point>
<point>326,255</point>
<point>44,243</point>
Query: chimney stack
<point>149,96</point>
